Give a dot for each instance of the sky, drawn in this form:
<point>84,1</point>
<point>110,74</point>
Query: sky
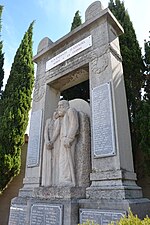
<point>53,19</point>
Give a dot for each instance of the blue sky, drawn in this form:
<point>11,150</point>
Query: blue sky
<point>53,19</point>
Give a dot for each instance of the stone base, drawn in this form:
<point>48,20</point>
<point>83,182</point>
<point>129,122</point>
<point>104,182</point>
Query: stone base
<point>33,203</point>
<point>64,204</point>
<point>31,210</point>
<point>114,192</point>
<point>27,210</point>
<point>140,207</point>
<point>53,193</point>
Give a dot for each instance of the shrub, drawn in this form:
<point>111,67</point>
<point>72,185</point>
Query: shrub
<point>132,220</point>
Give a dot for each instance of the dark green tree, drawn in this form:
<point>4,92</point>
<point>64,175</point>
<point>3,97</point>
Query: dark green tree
<point>76,20</point>
<point>147,71</point>
<point>1,54</point>
<point>143,116</point>
<point>133,67</point>
<point>16,103</point>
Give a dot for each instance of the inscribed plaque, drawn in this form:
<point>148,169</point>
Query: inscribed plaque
<point>69,52</point>
<point>17,215</point>
<point>103,124</point>
<point>34,139</point>
<point>100,216</point>
<point>46,214</point>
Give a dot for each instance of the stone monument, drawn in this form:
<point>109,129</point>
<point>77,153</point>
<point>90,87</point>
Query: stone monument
<point>79,162</point>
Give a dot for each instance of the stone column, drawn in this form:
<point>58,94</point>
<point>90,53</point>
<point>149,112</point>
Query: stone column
<point>45,100</point>
<point>112,174</point>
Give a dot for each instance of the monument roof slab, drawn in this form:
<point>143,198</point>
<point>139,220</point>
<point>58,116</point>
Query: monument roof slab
<point>71,36</point>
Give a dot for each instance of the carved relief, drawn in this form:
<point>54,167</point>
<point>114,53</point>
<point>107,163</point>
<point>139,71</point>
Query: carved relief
<point>66,147</point>
<point>39,90</point>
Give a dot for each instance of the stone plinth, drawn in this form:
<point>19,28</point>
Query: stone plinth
<point>57,193</point>
<point>140,207</point>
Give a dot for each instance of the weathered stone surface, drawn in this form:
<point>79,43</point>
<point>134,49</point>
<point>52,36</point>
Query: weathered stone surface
<point>59,193</point>
<point>44,43</point>
<point>93,10</point>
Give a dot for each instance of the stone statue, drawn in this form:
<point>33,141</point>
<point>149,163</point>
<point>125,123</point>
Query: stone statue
<point>59,147</point>
<point>51,136</point>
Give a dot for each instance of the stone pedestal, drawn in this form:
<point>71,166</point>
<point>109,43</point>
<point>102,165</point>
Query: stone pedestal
<point>62,203</point>
<point>138,206</point>
<point>113,185</point>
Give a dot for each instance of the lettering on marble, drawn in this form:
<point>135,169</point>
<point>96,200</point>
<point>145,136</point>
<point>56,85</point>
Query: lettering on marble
<point>34,139</point>
<point>100,216</point>
<point>46,214</point>
<point>69,52</point>
<point>17,215</point>
<point>103,124</point>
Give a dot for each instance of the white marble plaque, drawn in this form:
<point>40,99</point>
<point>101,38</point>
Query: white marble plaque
<point>100,216</point>
<point>46,214</point>
<point>69,52</point>
<point>17,215</point>
<point>102,119</point>
<point>34,139</point>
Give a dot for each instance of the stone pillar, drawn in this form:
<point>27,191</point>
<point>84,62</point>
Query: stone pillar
<point>45,100</point>
<point>112,174</point>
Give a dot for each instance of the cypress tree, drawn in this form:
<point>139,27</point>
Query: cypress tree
<point>76,20</point>
<point>132,66</point>
<point>147,71</point>
<point>1,55</point>
<point>142,118</point>
<point>16,103</point>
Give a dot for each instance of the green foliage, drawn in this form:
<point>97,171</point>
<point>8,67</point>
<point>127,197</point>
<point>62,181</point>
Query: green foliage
<point>1,55</point>
<point>16,103</point>
<point>76,20</point>
<point>142,121</point>
<point>146,85</point>
<point>132,220</point>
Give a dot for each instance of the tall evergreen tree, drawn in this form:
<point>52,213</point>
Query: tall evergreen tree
<point>143,116</point>
<point>132,65</point>
<point>1,55</point>
<point>76,20</point>
<point>16,102</point>
<point>147,71</point>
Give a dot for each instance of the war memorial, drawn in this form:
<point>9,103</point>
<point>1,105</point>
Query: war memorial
<point>79,161</point>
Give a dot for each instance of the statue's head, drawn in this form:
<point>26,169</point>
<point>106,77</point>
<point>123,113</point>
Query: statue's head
<point>63,106</point>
